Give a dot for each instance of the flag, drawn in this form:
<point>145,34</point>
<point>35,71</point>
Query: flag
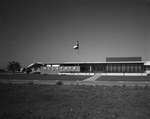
<point>76,46</point>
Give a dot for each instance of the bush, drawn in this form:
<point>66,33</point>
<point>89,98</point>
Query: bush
<point>30,83</point>
<point>59,83</point>
<point>115,86</point>
<point>36,73</point>
<point>24,70</point>
<point>28,70</point>
<point>124,85</point>
<point>136,87</point>
<point>2,70</point>
<point>146,86</point>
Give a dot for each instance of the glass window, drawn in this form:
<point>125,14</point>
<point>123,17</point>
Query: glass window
<point>49,68</point>
<point>57,68</point>
<point>53,68</point>
<point>45,68</point>
<point>134,67</point>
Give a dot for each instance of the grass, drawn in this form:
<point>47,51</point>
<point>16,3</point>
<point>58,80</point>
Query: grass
<point>124,78</point>
<point>25,101</point>
<point>42,77</point>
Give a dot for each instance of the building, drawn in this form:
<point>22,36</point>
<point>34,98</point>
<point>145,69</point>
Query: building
<point>112,66</point>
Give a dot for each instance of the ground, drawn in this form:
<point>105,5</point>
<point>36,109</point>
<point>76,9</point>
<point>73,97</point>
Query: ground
<point>42,77</point>
<point>72,79</point>
<point>28,101</point>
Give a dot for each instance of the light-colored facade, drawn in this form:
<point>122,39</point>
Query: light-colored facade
<point>91,68</point>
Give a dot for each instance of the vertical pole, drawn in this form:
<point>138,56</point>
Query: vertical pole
<point>78,57</point>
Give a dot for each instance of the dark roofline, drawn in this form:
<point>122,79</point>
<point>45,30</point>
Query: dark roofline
<point>120,59</point>
<point>58,63</point>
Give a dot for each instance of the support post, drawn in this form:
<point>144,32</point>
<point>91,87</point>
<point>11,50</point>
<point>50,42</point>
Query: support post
<point>78,59</point>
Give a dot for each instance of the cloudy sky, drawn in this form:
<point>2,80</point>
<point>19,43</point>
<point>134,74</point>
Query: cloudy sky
<point>46,30</point>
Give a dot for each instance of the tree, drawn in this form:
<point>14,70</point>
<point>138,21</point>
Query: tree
<point>13,66</point>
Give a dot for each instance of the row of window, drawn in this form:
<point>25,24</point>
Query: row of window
<point>60,68</point>
<point>98,68</point>
<point>147,68</point>
<point>101,68</point>
<point>124,68</point>
<point>92,68</point>
<point>113,68</point>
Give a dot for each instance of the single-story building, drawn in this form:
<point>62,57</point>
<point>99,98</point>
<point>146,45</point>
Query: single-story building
<point>112,66</point>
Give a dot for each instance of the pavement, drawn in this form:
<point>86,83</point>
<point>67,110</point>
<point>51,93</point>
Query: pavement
<point>53,82</point>
<point>93,78</point>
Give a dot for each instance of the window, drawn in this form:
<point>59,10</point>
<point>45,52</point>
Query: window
<point>61,68</point>
<point>74,68</point>
<point>131,67</point>
<point>98,68</point>
<point>49,68</point>
<point>53,69</point>
<point>45,68</point>
<point>57,68</point>
<point>139,68</point>
<point>114,67</point>
<point>118,68</point>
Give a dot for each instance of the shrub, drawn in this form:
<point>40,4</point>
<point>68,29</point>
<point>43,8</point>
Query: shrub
<point>136,87</point>
<point>23,69</point>
<point>28,70</point>
<point>2,70</point>
<point>10,83</point>
<point>146,86</point>
<point>115,86</point>
<point>124,85</point>
<point>30,83</point>
<point>36,73</point>
<point>59,83</point>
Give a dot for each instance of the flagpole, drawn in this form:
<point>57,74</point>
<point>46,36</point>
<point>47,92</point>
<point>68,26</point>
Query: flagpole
<point>76,47</point>
<point>78,57</point>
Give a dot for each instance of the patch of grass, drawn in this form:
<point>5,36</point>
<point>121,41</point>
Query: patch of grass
<point>146,86</point>
<point>124,85</point>
<point>124,78</point>
<point>136,87</point>
<point>73,102</point>
<point>43,77</point>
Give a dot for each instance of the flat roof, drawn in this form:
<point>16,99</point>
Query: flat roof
<point>123,59</point>
<point>56,63</point>
<point>103,62</point>
<point>89,62</point>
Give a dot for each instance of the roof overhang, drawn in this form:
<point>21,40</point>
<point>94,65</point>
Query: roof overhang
<point>55,63</point>
<point>147,63</point>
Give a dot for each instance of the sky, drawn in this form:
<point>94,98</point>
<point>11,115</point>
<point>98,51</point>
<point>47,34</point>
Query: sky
<point>46,30</point>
